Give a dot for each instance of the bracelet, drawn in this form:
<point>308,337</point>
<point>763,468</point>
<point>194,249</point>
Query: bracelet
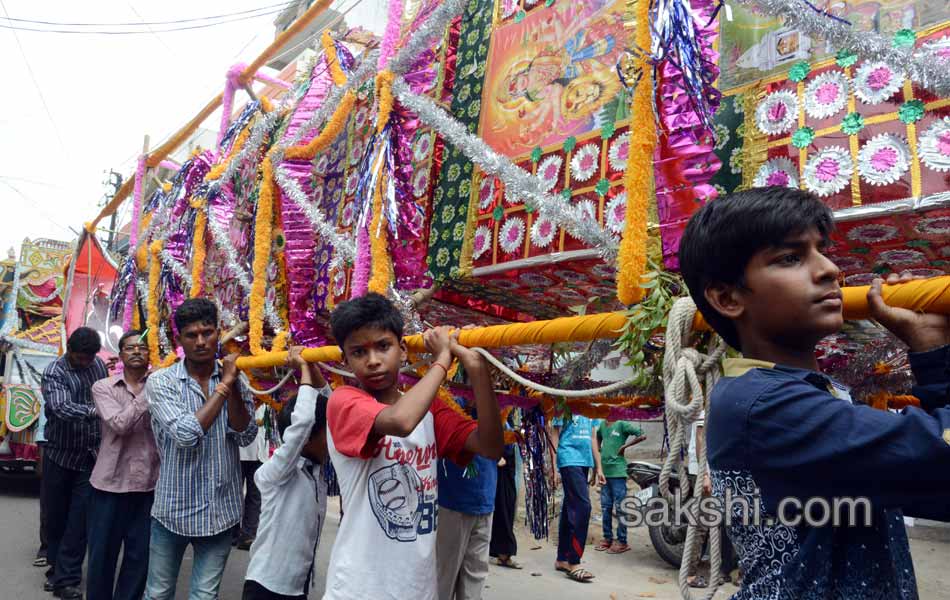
<point>438,364</point>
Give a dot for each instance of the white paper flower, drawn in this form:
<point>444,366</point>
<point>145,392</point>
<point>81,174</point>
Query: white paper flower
<point>587,208</point>
<point>873,233</point>
<point>615,213</point>
<point>777,113</point>
<point>828,171</point>
<point>934,226</point>
<point>939,48</point>
<point>339,282</point>
<point>826,95</point>
<point>322,163</point>
<point>778,171</point>
<point>482,241</point>
<point>508,8</point>
<point>876,82</point>
<point>420,183</point>
<point>542,232</point>
<point>486,192</point>
<point>901,256</point>
<point>585,162</point>
<point>620,151</point>
<point>421,147</point>
<point>934,147</point>
<point>511,235</point>
<point>884,159</point>
<point>549,171</point>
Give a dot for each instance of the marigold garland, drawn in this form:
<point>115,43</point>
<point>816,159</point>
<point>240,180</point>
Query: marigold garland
<point>141,253</point>
<point>199,254</point>
<point>632,257</point>
<point>329,133</point>
<point>384,94</point>
<point>217,170</point>
<point>885,401</point>
<point>333,61</point>
<point>154,274</point>
<point>379,246</point>
<point>262,244</point>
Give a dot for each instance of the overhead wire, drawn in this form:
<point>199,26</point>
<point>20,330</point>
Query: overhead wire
<point>281,5</point>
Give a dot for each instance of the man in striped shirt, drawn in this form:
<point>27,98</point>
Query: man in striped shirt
<point>72,442</point>
<point>201,414</point>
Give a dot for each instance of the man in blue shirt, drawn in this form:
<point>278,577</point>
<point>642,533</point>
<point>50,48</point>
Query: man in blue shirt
<point>576,455</point>
<point>466,504</point>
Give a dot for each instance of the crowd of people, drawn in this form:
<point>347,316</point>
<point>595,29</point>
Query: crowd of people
<point>148,463</point>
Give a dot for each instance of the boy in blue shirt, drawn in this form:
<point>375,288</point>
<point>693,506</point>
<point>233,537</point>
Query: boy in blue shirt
<point>779,430</point>
<point>576,455</point>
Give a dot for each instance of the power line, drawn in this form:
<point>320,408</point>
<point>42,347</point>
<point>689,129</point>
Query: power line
<point>36,84</point>
<point>171,22</point>
<point>139,32</point>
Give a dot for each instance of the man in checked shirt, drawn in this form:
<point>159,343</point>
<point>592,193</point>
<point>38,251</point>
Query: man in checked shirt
<point>72,434</point>
<point>201,415</point>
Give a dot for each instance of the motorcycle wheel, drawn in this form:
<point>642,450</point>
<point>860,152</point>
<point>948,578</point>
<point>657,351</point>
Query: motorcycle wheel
<point>664,540</point>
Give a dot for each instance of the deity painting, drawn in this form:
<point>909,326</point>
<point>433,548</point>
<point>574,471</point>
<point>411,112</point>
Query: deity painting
<point>552,75</point>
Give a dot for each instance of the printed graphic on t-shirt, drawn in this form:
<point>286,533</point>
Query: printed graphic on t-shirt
<point>402,494</point>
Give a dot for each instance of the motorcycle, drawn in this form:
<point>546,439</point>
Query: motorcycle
<point>668,539</point>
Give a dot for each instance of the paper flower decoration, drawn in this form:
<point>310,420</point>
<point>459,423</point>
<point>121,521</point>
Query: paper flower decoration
<point>905,38</point>
<point>901,256</point>
<point>356,152</point>
<point>846,58</point>
<point>777,113</point>
<point>481,242</point>
<point>585,162</point>
<point>934,146</point>
<point>826,95</point>
<point>571,276</point>
<point>911,111</point>
<point>339,282</point>
<point>884,159</point>
<point>508,8</point>
<point>422,146</point>
<point>615,213</point>
<point>550,171</point>
<point>799,71</point>
<point>542,232</point>
<point>362,116</point>
<point>935,226</point>
<point>803,137</point>
<point>322,163</point>
<point>778,171</point>
<point>736,160</point>
<point>620,151</point>
<point>347,218</point>
<point>536,280</point>
<point>873,233</point>
<point>352,181</point>
<point>486,192</point>
<point>876,82</point>
<point>852,123</point>
<point>828,171</point>
<point>849,264</point>
<point>588,209</point>
<point>939,48</point>
<point>420,183</point>
<point>511,235</point>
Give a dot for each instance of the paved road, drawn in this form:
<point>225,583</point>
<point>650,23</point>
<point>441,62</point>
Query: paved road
<point>639,573</point>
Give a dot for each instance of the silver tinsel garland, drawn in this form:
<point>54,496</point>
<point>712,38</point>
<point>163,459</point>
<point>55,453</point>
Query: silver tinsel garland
<point>252,146</point>
<point>518,182</point>
<point>423,37</point>
<point>345,249</point>
<point>923,67</point>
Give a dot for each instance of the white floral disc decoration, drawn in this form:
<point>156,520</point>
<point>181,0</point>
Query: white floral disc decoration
<point>486,192</point>
<point>826,95</point>
<point>421,147</point>
<point>588,208</point>
<point>585,162</point>
<point>934,226</point>
<point>542,232</point>
<point>901,256</point>
<point>876,82</point>
<point>884,159</point>
<point>339,282</point>
<point>511,235</point>
<point>778,171</point>
<point>549,171</point>
<point>829,171</point>
<point>620,151</point>
<point>873,233</point>
<point>482,241</point>
<point>940,48</point>
<point>615,213</point>
<point>934,147</point>
<point>777,113</point>
<point>420,183</point>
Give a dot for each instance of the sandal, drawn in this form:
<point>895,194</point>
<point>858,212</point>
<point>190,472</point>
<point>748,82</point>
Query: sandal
<point>580,575</point>
<point>698,581</point>
<point>603,545</point>
<point>40,561</point>
<point>508,563</point>
<point>618,548</point>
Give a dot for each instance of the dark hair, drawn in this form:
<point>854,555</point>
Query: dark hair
<point>722,236</point>
<point>128,334</point>
<point>284,416</point>
<point>84,340</point>
<point>196,310</point>
<point>371,310</point>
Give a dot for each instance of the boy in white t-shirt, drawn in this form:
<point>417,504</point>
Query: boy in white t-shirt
<point>385,446</point>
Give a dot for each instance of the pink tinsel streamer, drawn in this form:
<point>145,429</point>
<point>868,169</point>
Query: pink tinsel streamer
<point>227,103</point>
<point>134,239</point>
<point>391,36</point>
<point>361,269</point>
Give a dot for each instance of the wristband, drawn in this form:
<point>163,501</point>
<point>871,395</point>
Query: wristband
<point>444,369</point>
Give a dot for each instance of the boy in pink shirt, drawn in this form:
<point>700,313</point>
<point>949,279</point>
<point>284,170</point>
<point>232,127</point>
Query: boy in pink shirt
<point>385,446</point>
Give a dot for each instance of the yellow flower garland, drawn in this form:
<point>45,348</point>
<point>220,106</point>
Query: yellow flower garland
<point>384,94</point>
<point>141,254</point>
<point>262,245</point>
<point>632,259</point>
<point>154,274</point>
<point>217,170</point>
<point>333,61</point>
<point>332,130</point>
<point>199,254</point>
<point>379,246</point>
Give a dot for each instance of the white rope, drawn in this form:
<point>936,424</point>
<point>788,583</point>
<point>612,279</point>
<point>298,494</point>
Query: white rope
<point>685,398</point>
<point>266,392</point>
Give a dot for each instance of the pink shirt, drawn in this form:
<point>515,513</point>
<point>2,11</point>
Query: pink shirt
<point>128,458</point>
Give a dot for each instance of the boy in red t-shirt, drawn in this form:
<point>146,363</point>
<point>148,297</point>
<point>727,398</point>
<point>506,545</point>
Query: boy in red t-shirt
<point>385,445</point>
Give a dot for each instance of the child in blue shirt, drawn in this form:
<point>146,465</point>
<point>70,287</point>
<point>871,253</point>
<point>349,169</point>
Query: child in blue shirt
<point>778,430</point>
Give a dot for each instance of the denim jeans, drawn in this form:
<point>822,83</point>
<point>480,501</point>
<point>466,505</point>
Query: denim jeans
<point>67,497</point>
<point>118,522</point>
<point>611,499</point>
<point>575,515</point>
<point>166,549</point>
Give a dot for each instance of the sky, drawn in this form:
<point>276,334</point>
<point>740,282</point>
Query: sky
<point>76,106</point>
